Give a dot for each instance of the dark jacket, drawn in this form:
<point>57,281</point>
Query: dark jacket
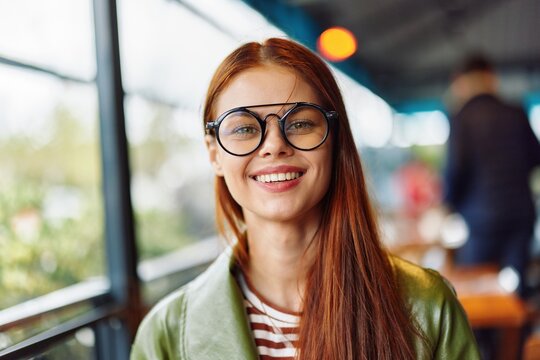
<point>492,151</point>
<point>206,319</point>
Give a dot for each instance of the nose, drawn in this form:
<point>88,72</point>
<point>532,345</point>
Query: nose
<point>274,144</point>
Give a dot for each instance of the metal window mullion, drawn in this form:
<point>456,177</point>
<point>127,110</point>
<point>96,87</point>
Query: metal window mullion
<point>121,252</point>
<point>44,70</point>
<point>43,341</point>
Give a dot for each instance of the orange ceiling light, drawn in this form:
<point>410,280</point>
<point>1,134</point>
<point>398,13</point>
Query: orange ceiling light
<point>336,44</point>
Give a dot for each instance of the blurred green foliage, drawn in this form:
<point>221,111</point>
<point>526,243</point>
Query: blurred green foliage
<point>41,251</point>
<point>50,256</point>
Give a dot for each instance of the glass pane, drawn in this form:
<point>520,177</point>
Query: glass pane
<point>168,52</point>
<point>51,216</point>
<point>171,178</point>
<point>56,34</point>
<point>80,347</point>
<point>21,331</point>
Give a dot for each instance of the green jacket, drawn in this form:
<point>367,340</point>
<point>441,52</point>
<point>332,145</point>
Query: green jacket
<point>206,319</point>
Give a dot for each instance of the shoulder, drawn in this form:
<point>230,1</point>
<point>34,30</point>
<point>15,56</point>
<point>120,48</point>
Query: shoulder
<point>436,310</point>
<point>491,104</point>
<point>163,325</point>
<point>162,333</point>
<point>172,306</point>
<point>419,283</point>
<point>427,294</point>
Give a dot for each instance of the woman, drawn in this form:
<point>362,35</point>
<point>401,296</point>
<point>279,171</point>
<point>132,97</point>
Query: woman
<point>308,277</point>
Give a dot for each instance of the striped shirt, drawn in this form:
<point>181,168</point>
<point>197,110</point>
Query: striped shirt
<point>275,331</point>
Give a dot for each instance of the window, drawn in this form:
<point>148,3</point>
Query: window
<point>51,203</point>
<point>49,150</point>
<point>50,199</point>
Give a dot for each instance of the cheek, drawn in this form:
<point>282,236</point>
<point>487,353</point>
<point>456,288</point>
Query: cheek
<point>233,171</point>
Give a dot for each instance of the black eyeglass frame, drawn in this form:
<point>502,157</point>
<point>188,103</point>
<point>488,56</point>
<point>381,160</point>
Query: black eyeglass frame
<point>329,115</point>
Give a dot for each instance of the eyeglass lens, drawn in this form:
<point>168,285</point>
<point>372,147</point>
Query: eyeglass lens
<point>305,128</point>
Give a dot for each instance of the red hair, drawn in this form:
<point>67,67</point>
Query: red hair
<point>353,308</point>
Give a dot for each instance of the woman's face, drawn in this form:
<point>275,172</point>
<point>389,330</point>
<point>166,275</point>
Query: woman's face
<point>247,177</point>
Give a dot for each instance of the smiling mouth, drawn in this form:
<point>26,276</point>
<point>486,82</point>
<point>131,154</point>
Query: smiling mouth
<point>278,177</point>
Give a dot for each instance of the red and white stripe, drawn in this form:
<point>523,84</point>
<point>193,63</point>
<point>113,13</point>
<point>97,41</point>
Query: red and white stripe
<point>275,331</point>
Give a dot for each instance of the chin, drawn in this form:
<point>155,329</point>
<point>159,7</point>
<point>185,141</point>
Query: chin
<point>279,216</point>
<point>284,214</point>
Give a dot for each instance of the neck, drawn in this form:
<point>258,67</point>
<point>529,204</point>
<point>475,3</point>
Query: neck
<point>280,256</point>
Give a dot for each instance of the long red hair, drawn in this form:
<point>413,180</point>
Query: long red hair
<point>353,308</point>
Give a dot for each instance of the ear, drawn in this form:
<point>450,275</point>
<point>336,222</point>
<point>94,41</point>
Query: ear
<point>213,154</point>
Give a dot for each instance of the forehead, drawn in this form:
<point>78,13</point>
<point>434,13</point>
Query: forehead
<point>266,84</point>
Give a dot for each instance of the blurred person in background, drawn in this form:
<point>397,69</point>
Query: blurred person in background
<point>491,154</point>
<point>306,276</point>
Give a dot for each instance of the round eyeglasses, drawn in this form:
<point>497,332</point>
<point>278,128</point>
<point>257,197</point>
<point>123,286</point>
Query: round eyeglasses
<point>240,131</point>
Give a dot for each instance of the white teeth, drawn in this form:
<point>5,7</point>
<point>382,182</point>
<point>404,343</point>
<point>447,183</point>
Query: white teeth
<point>278,177</point>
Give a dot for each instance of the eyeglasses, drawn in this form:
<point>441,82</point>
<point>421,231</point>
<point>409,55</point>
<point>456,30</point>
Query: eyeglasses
<point>240,131</point>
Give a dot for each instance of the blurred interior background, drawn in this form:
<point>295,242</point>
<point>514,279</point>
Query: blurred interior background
<point>106,194</point>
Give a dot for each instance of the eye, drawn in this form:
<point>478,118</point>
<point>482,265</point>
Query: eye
<point>300,126</point>
<point>245,130</point>
<point>240,126</point>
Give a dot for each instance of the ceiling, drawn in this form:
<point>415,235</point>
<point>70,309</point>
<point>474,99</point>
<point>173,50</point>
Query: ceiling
<point>407,49</point>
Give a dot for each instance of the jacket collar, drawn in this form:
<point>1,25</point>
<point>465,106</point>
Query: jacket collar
<point>217,326</point>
